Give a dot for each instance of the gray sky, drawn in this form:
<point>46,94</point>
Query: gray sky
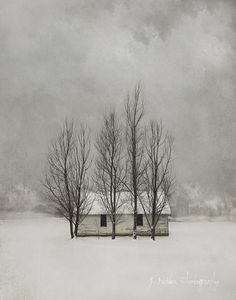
<point>70,58</point>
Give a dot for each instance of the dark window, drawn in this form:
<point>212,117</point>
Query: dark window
<point>139,220</point>
<point>103,220</point>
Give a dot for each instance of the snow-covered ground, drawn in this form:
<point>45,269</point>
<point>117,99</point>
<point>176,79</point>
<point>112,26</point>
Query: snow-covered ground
<point>39,261</point>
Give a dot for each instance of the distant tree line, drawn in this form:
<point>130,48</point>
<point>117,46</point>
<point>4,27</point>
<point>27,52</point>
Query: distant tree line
<point>191,199</point>
<point>129,156</point>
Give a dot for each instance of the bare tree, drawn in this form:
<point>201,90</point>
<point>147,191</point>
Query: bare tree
<point>79,179</point>
<point>57,177</point>
<point>66,179</point>
<point>158,180</point>
<point>110,170</point>
<point>135,140</point>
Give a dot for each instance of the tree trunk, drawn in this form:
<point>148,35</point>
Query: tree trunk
<point>153,220</point>
<point>113,230</point>
<point>76,223</point>
<point>76,229</point>
<point>135,220</point>
<point>153,233</point>
<point>71,229</point>
<point>113,225</point>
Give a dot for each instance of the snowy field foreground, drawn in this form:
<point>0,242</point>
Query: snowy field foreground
<point>39,261</point>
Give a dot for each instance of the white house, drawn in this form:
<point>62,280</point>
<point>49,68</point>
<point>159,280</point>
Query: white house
<point>98,223</point>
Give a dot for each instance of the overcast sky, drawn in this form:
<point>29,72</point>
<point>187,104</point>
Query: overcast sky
<point>70,58</point>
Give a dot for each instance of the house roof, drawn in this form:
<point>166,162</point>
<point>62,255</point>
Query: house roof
<point>126,208</point>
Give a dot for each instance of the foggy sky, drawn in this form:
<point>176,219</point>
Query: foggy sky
<point>70,58</point>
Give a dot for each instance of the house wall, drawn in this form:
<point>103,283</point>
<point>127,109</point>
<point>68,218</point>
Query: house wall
<point>91,226</point>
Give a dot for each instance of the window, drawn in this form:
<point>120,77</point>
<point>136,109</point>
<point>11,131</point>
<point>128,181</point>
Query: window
<point>103,221</point>
<point>139,220</point>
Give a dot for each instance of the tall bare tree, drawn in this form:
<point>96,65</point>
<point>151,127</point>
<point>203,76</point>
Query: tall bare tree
<point>135,147</point>
<point>66,180</point>
<point>158,178</point>
<point>57,177</point>
<point>79,179</point>
<point>110,169</point>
